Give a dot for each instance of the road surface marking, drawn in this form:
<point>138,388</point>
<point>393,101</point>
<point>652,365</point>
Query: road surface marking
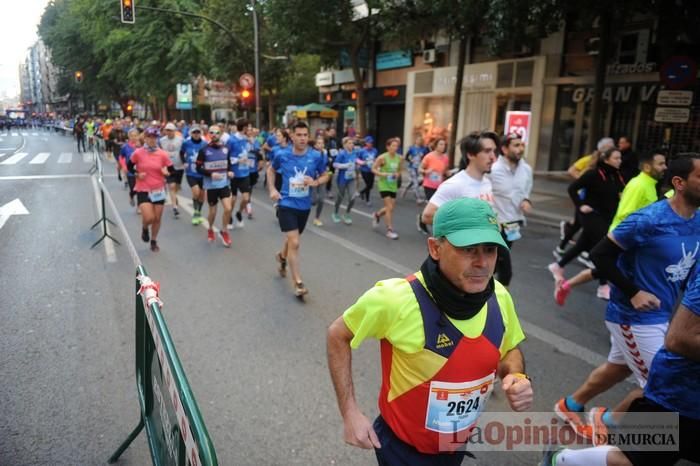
<point>11,208</point>
<point>35,134</point>
<point>88,157</point>
<point>25,134</point>
<point>15,134</point>
<point>15,158</point>
<point>65,157</point>
<point>109,245</point>
<point>40,158</point>
<point>49,177</point>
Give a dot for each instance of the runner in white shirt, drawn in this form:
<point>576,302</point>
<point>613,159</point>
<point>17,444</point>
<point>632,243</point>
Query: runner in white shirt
<point>512,183</point>
<point>479,150</point>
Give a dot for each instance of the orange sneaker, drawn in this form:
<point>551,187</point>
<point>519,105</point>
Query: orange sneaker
<point>573,419</point>
<point>599,430</point>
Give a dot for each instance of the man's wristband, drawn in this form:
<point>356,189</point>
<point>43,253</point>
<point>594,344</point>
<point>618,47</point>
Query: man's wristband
<point>520,375</point>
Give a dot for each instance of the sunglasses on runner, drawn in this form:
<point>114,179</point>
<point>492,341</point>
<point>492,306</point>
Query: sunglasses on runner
<point>215,132</point>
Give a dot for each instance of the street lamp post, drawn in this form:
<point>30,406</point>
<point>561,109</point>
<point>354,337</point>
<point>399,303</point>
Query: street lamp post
<point>256,41</point>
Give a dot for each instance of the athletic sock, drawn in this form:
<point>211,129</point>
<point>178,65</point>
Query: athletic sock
<point>609,420</point>
<point>572,404</point>
<point>596,456</point>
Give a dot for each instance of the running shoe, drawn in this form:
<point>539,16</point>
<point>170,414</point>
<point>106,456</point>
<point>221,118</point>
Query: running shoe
<point>585,260</point>
<point>347,220</point>
<point>145,236</point>
<point>422,227</point>
<point>317,222</point>
<point>195,219</point>
<point>132,202</point>
<point>239,219</point>
<point>391,234</point>
<point>154,246</point>
<point>300,290</point>
<point>225,238</point>
<point>556,271</point>
<point>335,217</point>
<point>603,292</point>
<point>249,211</point>
<point>561,292</point>
<point>176,213</point>
<point>599,430</point>
<point>375,220</point>
<point>230,224</point>
<point>210,235</point>
<point>281,265</point>
<point>572,418</point>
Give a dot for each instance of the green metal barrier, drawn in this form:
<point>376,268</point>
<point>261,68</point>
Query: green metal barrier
<point>175,429</point>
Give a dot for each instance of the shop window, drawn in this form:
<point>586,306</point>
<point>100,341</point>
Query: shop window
<point>633,47</point>
<point>508,103</point>
<point>523,73</point>
<point>424,82</point>
<point>432,117</point>
<point>505,75</point>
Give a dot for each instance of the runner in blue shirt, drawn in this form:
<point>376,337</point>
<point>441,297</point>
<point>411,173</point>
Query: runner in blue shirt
<point>414,157</point>
<point>255,160</point>
<point>346,166</point>
<point>301,168</point>
<point>240,152</point>
<point>133,143</point>
<point>672,387</point>
<point>366,160</point>
<point>647,258</point>
<point>189,152</point>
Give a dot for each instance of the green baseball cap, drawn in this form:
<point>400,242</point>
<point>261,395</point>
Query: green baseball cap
<point>466,222</point>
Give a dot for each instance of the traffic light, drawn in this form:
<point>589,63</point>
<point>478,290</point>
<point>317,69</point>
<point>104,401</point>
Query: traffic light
<point>246,97</point>
<point>129,109</point>
<point>78,77</point>
<point>128,11</point>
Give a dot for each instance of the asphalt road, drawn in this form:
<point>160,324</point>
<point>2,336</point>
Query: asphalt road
<point>254,355</point>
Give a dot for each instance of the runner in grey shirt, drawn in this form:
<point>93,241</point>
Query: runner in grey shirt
<point>172,143</point>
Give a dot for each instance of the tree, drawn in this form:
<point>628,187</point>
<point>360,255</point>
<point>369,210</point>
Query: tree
<point>325,27</point>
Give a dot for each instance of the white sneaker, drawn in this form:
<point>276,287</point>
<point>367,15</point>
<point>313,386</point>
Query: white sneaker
<point>375,220</point>
<point>556,271</point>
<point>229,226</point>
<point>603,292</point>
<point>391,234</point>
<point>239,224</point>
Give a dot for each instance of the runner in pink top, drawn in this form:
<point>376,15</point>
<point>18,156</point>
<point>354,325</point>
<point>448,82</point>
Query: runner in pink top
<point>151,165</point>
<point>434,168</point>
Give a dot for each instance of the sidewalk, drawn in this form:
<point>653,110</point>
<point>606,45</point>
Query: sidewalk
<point>550,201</point>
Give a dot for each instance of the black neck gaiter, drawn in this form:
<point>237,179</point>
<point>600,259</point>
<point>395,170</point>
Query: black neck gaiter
<point>450,300</point>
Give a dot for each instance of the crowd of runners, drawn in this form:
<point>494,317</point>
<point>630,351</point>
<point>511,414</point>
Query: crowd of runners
<point>634,227</point>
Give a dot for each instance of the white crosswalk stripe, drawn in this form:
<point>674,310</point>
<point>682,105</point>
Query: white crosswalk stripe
<point>88,157</point>
<point>65,157</point>
<point>25,134</point>
<point>15,158</point>
<point>40,158</point>
<point>35,134</point>
<point>2,155</point>
<point>15,134</point>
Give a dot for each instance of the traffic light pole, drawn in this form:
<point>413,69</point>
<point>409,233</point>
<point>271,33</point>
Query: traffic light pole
<point>256,41</point>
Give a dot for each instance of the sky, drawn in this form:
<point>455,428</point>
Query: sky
<point>18,25</point>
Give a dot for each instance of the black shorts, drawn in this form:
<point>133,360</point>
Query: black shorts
<point>176,177</point>
<point>254,179</point>
<point>278,182</point>
<point>292,219</point>
<point>688,447</point>
<point>391,194</point>
<point>142,198</point>
<point>240,185</point>
<point>429,192</point>
<point>213,195</point>
<point>195,181</point>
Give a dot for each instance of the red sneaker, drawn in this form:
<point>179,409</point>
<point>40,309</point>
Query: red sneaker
<point>225,238</point>
<point>561,292</point>
<point>210,235</point>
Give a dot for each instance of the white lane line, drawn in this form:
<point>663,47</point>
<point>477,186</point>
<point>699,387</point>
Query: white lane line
<point>561,344</point>
<point>344,206</point>
<point>15,134</point>
<point>49,177</point>
<point>40,158</point>
<point>109,246</point>
<point>15,158</point>
<point>186,205</point>
<point>65,157</point>
<point>2,155</point>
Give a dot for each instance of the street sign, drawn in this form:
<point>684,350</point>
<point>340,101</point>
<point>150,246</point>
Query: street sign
<point>184,96</point>
<point>12,208</point>
<point>672,115</point>
<point>679,72</point>
<point>246,80</point>
<point>682,98</point>
<point>518,123</point>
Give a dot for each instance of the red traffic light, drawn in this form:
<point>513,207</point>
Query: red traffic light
<point>245,93</point>
<point>78,76</point>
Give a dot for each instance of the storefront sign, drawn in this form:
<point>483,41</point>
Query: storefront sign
<point>681,98</point>
<point>324,79</point>
<point>478,76</point>
<point>518,123</point>
<point>617,94</point>
<point>634,68</point>
<point>394,59</point>
<point>343,76</point>
<point>672,115</point>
